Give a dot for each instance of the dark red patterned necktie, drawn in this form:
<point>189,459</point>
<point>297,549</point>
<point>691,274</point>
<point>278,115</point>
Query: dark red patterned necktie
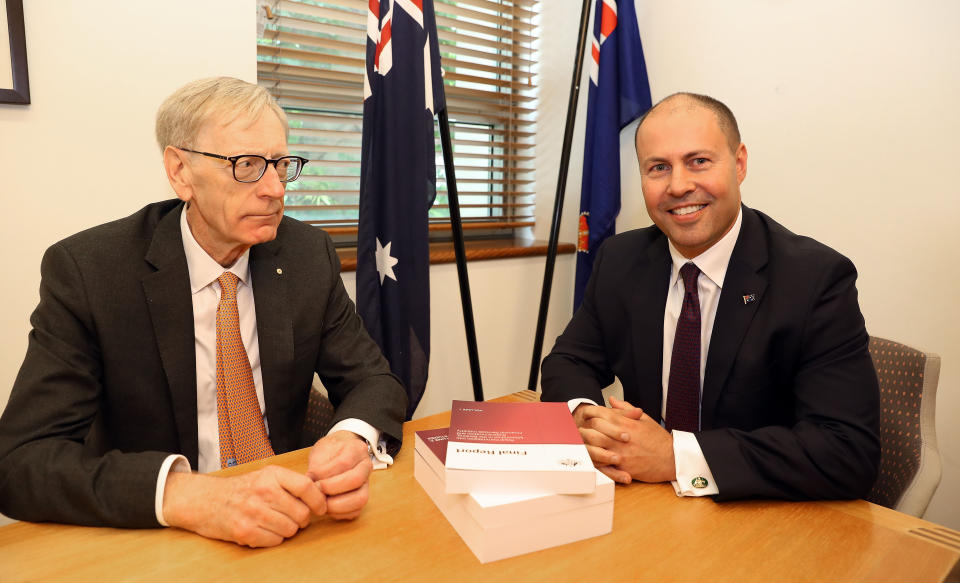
<point>683,388</point>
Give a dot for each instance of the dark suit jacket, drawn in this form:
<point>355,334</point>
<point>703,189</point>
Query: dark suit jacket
<point>108,386</point>
<point>790,402</point>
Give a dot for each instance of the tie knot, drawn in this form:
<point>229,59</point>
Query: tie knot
<point>228,283</point>
<point>690,272</point>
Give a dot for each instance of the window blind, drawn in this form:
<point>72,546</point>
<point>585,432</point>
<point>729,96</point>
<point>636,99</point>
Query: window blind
<point>311,57</point>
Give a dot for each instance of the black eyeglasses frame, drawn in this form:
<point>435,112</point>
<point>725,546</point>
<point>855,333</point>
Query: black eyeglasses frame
<point>267,161</point>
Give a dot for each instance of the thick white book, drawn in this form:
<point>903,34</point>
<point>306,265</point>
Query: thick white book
<point>516,447</point>
<point>497,526</point>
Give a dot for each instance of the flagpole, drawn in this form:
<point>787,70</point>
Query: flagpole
<point>461,253</point>
<point>558,200</point>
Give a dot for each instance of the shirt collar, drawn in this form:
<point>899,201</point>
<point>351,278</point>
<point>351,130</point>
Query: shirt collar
<point>714,261</point>
<point>202,268</point>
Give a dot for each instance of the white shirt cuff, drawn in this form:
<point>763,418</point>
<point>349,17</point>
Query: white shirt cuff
<point>693,473</point>
<point>574,403</point>
<point>173,463</point>
<point>378,447</point>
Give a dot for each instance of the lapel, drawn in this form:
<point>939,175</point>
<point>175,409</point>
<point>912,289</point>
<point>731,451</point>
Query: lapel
<point>167,291</point>
<point>275,334</point>
<point>734,314</point>
<point>649,288</point>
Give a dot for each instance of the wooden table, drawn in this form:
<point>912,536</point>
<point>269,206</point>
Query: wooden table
<point>401,536</point>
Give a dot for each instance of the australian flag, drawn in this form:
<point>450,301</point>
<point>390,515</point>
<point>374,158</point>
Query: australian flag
<point>403,90</point>
<point>619,93</point>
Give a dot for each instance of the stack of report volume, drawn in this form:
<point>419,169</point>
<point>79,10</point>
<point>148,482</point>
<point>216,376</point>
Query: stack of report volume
<point>512,478</point>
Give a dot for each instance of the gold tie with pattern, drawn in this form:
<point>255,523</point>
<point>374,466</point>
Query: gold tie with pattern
<point>243,437</point>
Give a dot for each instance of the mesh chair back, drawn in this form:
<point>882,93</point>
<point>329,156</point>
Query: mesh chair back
<point>319,417</point>
<point>909,462</point>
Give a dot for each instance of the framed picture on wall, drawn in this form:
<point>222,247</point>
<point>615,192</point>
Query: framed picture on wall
<point>14,85</point>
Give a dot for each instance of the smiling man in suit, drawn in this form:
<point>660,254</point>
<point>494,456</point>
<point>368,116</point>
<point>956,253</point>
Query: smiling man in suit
<point>740,346</point>
<point>187,335</point>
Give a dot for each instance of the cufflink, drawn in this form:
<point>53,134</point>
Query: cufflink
<point>699,482</point>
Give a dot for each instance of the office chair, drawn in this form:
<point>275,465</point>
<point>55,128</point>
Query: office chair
<point>909,460</point>
<point>319,418</point>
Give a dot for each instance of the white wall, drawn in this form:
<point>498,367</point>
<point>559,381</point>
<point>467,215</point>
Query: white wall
<point>506,300</point>
<point>846,111</point>
<point>850,115</point>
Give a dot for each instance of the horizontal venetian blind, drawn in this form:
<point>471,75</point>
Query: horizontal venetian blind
<point>310,55</point>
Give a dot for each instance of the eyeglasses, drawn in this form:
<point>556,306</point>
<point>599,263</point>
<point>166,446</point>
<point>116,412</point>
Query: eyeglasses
<point>250,167</point>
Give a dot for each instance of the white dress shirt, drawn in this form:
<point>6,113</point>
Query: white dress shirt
<point>689,461</point>
<point>205,291</point>
<point>713,262</point>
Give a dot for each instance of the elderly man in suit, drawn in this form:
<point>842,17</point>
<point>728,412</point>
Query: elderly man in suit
<point>187,335</point>
<point>740,345</point>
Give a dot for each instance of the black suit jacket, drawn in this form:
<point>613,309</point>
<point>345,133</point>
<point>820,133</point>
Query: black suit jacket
<point>790,402</point>
<point>108,387</point>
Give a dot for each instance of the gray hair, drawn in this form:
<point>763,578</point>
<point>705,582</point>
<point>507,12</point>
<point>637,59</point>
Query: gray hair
<point>182,115</point>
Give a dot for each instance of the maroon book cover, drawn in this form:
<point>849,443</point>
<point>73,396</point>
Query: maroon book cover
<point>436,441</point>
<point>508,448</point>
<point>517,423</point>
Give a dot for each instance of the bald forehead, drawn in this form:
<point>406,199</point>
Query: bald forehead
<point>681,103</point>
<point>675,104</point>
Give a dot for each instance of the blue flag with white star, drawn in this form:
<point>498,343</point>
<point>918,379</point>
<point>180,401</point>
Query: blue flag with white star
<point>618,94</point>
<point>403,90</point>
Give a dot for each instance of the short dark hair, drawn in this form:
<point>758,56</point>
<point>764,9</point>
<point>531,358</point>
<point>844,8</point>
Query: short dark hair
<point>725,118</point>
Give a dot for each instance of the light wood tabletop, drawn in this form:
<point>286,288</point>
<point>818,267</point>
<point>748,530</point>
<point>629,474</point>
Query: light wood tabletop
<point>401,536</point>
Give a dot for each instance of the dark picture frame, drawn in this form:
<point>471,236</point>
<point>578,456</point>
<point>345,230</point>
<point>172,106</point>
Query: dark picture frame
<point>17,39</point>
